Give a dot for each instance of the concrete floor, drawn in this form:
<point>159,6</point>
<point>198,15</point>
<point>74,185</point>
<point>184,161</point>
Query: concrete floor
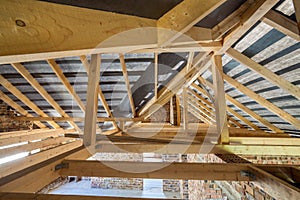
<point>83,187</point>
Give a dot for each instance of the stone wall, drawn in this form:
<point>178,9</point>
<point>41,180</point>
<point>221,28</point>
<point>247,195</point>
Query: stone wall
<point>7,124</point>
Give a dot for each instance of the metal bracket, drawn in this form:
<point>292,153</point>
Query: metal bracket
<point>248,174</point>
<point>61,166</point>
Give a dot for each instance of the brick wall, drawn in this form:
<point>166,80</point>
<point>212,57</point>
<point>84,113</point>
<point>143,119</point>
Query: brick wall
<point>7,124</point>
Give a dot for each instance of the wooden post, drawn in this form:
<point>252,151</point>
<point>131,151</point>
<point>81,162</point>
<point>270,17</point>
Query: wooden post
<point>297,12</point>
<point>89,137</point>
<point>220,102</point>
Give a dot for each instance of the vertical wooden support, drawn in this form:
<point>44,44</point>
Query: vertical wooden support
<point>178,111</point>
<point>185,109</point>
<point>297,12</point>
<point>172,117</point>
<point>156,75</point>
<point>89,137</point>
<point>220,102</point>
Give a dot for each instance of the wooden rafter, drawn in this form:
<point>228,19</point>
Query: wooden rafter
<point>18,108</point>
<point>12,89</point>
<point>252,15</point>
<point>208,105</point>
<point>76,119</point>
<point>182,79</point>
<point>264,72</point>
<point>89,135</point>
<point>182,18</point>
<point>36,85</point>
<point>194,109</point>
<point>101,96</point>
<point>127,82</point>
<point>245,109</point>
<point>282,24</point>
<point>185,109</point>
<point>237,115</point>
<point>297,12</point>
<point>262,101</point>
<point>59,73</point>
<point>220,102</point>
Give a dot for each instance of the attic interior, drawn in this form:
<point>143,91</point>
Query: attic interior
<point>173,99</point>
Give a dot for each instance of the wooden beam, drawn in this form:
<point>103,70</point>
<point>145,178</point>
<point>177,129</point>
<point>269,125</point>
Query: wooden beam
<point>48,142</point>
<point>200,148</point>
<point>246,109</point>
<point>198,106</point>
<point>281,113</point>
<point>12,89</point>
<point>43,174</point>
<point>29,136</point>
<point>185,108</point>
<point>36,85</point>
<point>265,72</point>
<point>101,96</point>
<point>18,108</point>
<point>191,171</point>
<point>29,196</point>
<point>282,24</point>
<point>127,82</point>
<point>11,134</point>
<point>273,185</point>
<point>178,111</point>
<point>172,111</point>
<point>297,12</point>
<point>76,119</point>
<point>181,18</point>
<point>220,102</point>
<point>90,125</point>
<point>59,73</point>
<point>265,141</point>
<point>252,15</point>
<point>22,163</point>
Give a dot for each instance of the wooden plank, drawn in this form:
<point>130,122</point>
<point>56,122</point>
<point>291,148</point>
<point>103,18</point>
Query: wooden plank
<point>265,141</point>
<point>36,85</point>
<point>18,108</point>
<point>43,174</point>
<point>101,96</point>
<point>282,24</point>
<point>127,82</point>
<point>11,134</point>
<point>12,89</point>
<point>281,113</point>
<point>22,163</point>
<point>297,12</point>
<point>181,18</point>
<point>31,136</point>
<point>220,102</point>
<point>274,186</point>
<point>191,171</point>
<point>198,106</point>
<point>172,111</point>
<point>264,72</point>
<point>246,109</point>
<point>185,108</point>
<point>59,73</point>
<point>48,142</point>
<point>89,137</point>
<point>28,196</point>
<point>252,15</point>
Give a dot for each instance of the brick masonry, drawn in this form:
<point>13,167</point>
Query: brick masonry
<point>7,124</point>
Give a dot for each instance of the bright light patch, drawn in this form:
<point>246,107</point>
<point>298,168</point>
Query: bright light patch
<point>13,145</point>
<point>13,157</point>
